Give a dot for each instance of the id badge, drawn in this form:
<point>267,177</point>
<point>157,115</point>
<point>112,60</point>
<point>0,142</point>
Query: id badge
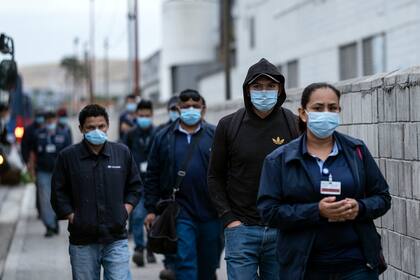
<point>143,167</point>
<point>331,187</point>
<point>50,148</point>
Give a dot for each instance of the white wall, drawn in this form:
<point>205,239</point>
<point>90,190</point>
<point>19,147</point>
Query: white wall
<point>190,35</point>
<point>312,31</point>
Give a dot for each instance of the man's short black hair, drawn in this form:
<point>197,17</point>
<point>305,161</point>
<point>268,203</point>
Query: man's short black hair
<point>92,110</point>
<point>50,115</point>
<point>130,96</point>
<point>145,104</point>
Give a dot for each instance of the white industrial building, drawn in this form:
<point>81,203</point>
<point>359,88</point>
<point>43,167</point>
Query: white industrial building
<point>310,40</point>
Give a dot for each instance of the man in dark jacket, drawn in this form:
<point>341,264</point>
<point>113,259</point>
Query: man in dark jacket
<point>95,185</point>
<point>172,112</point>
<point>197,226</point>
<point>139,140</point>
<point>241,143</point>
<point>49,141</point>
<point>29,135</point>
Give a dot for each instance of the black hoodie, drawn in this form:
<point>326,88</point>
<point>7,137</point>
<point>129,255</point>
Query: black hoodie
<point>239,150</point>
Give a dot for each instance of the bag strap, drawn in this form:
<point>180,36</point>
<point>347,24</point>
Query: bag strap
<point>182,172</point>
<point>235,124</point>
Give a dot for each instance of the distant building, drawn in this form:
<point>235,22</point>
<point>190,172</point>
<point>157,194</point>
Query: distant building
<point>309,40</point>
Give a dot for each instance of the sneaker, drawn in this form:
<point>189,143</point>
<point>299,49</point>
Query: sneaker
<point>49,233</point>
<point>167,274</point>
<point>150,257</point>
<point>138,257</point>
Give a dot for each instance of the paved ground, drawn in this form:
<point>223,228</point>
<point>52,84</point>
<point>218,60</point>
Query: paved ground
<point>33,257</point>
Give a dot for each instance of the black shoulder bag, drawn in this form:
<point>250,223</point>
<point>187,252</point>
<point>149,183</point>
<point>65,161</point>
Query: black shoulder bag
<point>162,237</point>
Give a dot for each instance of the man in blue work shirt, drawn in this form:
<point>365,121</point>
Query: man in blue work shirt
<point>127,118</point>
<point>63,122</point>
<point>95,185</point>
<point>49,142</point>
<point>139,140</point>
<point>198,228</point>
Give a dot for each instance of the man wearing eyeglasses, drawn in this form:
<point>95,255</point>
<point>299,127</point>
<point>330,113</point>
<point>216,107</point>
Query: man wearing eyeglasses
<point>198,228</point>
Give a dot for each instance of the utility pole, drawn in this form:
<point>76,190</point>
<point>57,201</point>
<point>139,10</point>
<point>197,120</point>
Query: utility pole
<point>92,53</point>
<point>226,45</point>
<point>106,70</point>
<point>136,90</point>
<point>75,99</point>
<point>87,68</point>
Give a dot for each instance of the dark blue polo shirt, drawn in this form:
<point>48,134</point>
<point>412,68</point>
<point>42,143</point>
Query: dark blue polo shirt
<point>193,196</point>
<point>336,246</point>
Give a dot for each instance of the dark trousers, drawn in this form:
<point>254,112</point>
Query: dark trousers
<point>199,246</point>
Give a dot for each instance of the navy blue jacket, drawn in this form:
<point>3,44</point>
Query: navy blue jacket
<point>287,201</point>
<point>161,170</point>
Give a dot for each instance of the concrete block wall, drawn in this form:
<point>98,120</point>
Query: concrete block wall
<point>384,111</point>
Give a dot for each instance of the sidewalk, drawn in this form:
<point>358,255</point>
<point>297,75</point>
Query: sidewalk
<point>33,257</point>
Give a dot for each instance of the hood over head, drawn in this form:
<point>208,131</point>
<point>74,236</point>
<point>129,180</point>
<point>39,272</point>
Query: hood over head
<point>263,68</point>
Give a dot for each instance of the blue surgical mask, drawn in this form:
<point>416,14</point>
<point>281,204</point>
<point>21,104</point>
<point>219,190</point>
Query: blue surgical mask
<point>190,116</point>
<point>264,100</point>
<point>131,107</point>
<point>323,124</point>
<point>63,120</point>
<point>173,115</point>
<point>144,122</point>
<point>96,137</point>
<point>51,126</point>
<point>39,120</point>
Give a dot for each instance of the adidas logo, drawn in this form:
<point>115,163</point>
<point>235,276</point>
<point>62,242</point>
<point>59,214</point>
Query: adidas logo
<point>278,141</point>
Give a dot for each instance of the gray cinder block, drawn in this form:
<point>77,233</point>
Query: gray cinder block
<point>408,255</point>
<point>395,249</point>
<point>413,218</point>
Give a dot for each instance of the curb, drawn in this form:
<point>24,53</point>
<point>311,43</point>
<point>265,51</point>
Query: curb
<point>11,263</point>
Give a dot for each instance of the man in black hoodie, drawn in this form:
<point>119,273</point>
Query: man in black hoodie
<point>242,141</point>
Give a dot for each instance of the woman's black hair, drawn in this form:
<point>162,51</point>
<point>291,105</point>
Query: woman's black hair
<point>92,110</point>
<point>306,96</point>
<point>145,104</point>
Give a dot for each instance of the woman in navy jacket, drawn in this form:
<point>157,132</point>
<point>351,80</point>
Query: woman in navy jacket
<point>323,191</point>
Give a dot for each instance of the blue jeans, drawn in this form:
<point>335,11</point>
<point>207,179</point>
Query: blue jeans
<point>43,185</point>
<point>86,261</point>
<point>199,247</point>
<point>362,273</point>
<point>251,253</point>
<point>137,220</point>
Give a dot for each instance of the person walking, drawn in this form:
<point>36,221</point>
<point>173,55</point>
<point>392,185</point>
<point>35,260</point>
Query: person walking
<point>95,186</point>
<point>197,226</point>
<point>322,192</point>
<point>50,140</point>
<point>139,140</point>
<point>242,141</point>
<point>127,118</point>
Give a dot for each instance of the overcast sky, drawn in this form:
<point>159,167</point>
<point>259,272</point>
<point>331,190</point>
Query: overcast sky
<point>44,30</point>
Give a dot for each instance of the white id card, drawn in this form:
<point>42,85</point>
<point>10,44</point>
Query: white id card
<point>50,148</point>
<point>143,166</point>
<point>331,187</point>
